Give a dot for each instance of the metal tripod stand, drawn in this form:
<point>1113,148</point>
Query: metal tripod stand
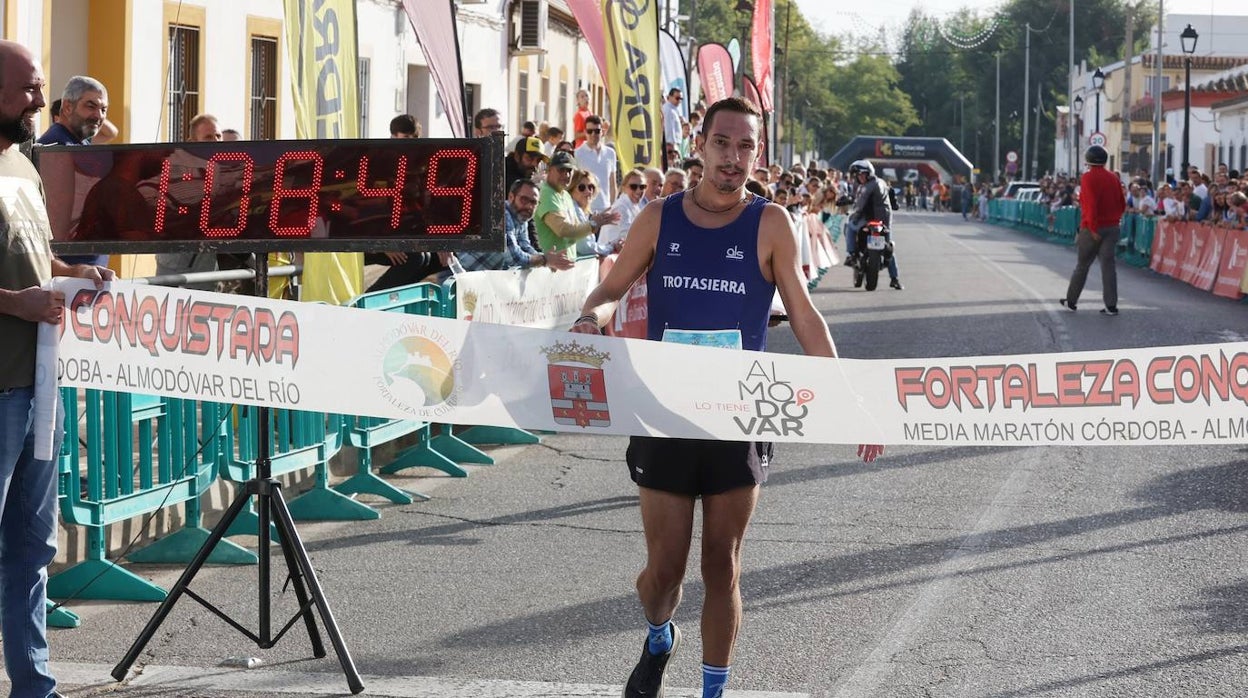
<point>271,507</point>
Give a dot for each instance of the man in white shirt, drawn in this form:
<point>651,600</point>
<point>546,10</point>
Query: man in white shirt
<point>672,119</point>
<point>599,159</point>
<point>1198,183</point>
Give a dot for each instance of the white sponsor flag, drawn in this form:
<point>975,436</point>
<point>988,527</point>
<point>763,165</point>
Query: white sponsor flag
<point>540,298</point>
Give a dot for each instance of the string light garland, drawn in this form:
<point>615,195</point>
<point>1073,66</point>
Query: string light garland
<point>973,41</point>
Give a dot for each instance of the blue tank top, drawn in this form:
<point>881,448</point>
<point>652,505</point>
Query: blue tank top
<point>709,278</point>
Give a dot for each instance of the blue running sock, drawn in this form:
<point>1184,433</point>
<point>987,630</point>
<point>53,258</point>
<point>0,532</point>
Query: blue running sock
<point>660,641</point>
<point>714,678</point>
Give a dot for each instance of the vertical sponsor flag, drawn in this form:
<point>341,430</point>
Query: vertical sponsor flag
<point>672,67</point>
<point>588,14</point>
<point>749,90</point>
<point>632,35</point>
<point>761,53</point>
<point>734,52</point>
<point>323,58</point>
<point>439,40</point>
<point>715,71</point>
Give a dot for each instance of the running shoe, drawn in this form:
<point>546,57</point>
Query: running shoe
<point>647,678</point>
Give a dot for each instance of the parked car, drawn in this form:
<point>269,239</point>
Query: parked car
<point>1011,189</point>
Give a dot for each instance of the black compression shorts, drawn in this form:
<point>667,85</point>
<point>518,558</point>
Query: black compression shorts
<point>697,467</point>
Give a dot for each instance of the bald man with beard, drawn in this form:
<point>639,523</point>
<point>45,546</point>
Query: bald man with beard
<point>27,484</point>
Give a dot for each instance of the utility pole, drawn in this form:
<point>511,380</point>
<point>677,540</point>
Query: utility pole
<point>1124,149</point>
<point>1035,150</point>
<point>962,123</point>
<point>1159,158</point>
<point>996,136</point>
<point>1072,141</point>
<point>1026,99</point>
<point>785,121</point>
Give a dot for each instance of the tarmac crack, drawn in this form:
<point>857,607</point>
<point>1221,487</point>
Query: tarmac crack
<point>579,456</point>
<point>505,521</point>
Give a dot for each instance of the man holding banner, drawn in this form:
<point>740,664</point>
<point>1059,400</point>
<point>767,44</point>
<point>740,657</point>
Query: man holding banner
<point>715,256</point>
<point>27,480</point>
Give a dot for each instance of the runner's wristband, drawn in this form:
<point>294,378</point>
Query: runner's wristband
<point>591,317</point>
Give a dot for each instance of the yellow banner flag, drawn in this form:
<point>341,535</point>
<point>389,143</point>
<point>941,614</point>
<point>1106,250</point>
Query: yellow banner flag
<point>632,36</point>
<point>323,60</point>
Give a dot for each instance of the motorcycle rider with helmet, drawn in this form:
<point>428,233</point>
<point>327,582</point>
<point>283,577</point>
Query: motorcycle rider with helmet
<point>871,203</point>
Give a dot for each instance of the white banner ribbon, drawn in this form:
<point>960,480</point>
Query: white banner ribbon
<point>239,349</point>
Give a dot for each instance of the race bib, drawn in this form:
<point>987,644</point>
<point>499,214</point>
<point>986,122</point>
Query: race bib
<point>723,339</point>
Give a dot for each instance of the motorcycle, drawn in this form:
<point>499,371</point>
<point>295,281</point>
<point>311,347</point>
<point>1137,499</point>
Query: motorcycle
<point>874,248</point>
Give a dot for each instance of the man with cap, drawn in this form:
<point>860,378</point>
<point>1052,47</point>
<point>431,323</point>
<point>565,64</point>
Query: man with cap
<point>1102,203</point>
<point>525,158</point>
<point>559,225</point>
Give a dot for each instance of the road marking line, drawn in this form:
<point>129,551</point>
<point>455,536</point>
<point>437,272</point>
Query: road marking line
<point>1046,302</point>
<point>874,670</point>
<point>272,682</point>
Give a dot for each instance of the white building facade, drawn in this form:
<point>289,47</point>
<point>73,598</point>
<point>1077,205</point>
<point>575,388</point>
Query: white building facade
<point>164,61</point>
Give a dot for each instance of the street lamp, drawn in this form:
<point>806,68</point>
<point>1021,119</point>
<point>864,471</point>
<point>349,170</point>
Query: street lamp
<point>1188,39</point>
<point>1075,127</point>
<point>1098,84</point>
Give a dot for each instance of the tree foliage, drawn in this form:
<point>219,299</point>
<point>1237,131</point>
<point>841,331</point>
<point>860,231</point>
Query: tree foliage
<point>938,78</point>
<point>832,90</point>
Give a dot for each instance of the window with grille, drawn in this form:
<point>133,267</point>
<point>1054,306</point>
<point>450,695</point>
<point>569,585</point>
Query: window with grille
<point>561,117</point>
<point>365,66</point>
<point>523,95</point>
<point>546,98</point>
<point>263,88</point>
<point>183,80</point>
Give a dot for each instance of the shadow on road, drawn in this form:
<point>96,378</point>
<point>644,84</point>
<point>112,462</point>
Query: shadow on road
<point>1217,487</point>
<point>453,533</point>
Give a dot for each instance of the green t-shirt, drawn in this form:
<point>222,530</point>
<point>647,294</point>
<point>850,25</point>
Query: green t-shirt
<point>551,201</point>
<point>25,261</point>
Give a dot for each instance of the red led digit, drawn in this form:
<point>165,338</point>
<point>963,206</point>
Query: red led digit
<point>463,192</point>
<point>395,192</point>
<point>210,173</point>
<point>162,196</point>
<point>312,193</point>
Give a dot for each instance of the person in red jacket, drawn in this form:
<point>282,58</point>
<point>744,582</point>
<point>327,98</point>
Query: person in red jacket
<point>1102,203</point>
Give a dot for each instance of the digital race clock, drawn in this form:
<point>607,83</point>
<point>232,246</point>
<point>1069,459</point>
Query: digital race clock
<point>355,195</point>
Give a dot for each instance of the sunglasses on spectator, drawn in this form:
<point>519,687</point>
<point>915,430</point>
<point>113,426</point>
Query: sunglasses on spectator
<point>586,187</point>
<point>593,130</point>
<point>636,186</point>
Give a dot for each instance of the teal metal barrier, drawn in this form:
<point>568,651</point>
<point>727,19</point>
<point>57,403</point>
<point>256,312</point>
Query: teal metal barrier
<point>482,434</point>
<point>1066,224</point>
<point>366,434</point>
<point>1135,245</point>
<point>110,486</point>
<point>193,424</point>
<point>297,440</point>
<point>1142,245</point>
<point>61,617</point>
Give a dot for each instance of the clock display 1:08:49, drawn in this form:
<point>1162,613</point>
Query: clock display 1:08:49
<point>311,193</point>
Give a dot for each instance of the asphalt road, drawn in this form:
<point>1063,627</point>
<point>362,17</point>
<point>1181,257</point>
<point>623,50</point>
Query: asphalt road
<point>985,572</point>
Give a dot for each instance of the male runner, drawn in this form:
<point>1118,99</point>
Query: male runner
<point>716,230</point>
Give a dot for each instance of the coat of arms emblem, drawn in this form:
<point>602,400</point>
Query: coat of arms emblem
<point>578,389</point>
